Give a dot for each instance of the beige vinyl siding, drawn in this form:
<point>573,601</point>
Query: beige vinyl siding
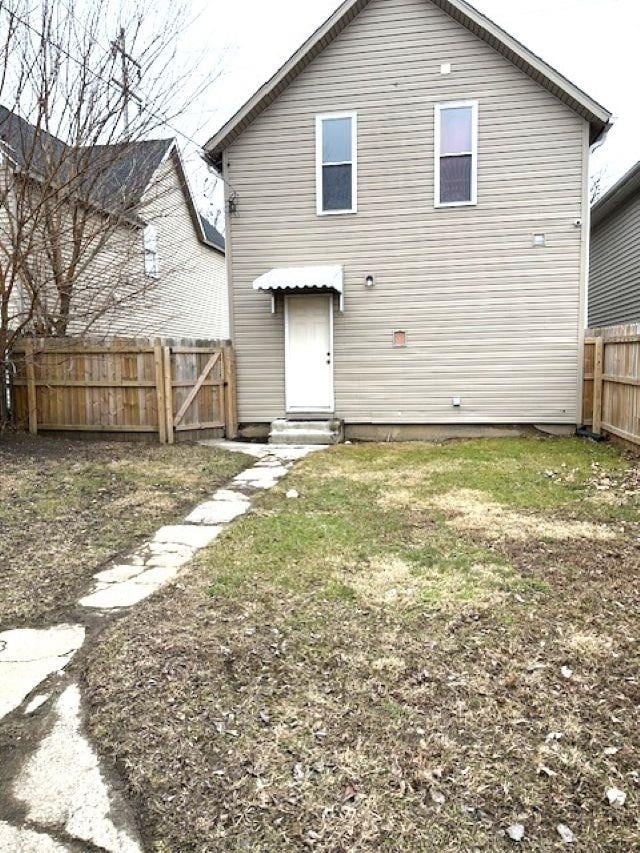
<point>488,317</point>
<point>614,281</point>
<point>189,298</point>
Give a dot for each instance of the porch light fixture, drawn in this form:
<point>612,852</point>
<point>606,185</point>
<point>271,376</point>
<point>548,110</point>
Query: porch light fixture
<point>369,282</point>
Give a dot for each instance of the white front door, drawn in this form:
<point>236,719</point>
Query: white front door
<point>309,353</point>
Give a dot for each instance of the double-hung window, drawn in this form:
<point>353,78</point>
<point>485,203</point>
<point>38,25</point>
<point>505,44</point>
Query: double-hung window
<point>456,153</point>
<point>336,163</point>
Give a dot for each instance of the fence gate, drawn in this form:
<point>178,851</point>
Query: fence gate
<point>125,386</point>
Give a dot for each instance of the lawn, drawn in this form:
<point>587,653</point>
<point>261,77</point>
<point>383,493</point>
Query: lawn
<point>427,649</point>
<point>66,507</point>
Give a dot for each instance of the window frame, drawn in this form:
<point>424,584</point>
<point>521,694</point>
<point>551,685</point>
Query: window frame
<point>439,108</point>
<point>320,118</point>
<point>151,257</point>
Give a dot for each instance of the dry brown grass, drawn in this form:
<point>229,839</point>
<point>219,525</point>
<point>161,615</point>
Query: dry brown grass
<point>66,507</point>
<point>276,700</point>
<point>473,510</point>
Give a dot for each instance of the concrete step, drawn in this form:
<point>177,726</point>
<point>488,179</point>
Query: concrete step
<point>305,432</point>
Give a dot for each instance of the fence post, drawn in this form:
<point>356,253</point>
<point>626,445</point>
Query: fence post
<point>162,411</point>
<point>168,393</point>
<point>32,400</point>
<point>598,364</point>
<point>230,401</point>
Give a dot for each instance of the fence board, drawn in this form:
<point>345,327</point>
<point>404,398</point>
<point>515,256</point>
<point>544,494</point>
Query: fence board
<point>125,386</point>
<point>612,381</point>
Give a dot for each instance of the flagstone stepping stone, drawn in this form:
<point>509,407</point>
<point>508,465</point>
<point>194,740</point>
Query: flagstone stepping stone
<point>124,594</point>
<point>37,702</point>
<point>29,655</point>
<point>261,478</point>
<point>187,534</point>
<point>20,840</point>
<point>217,512</point>
<point>118,573</point>
<point>62,786</point>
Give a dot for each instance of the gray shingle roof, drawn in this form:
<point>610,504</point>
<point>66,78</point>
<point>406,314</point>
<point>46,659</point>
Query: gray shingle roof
<point>25,144</point>
<point>616,196</point>
<point>211,234</point>
<point>112,176</point>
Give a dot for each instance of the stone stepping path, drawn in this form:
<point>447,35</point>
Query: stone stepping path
<point>28,656</point>
<point>62,787</point>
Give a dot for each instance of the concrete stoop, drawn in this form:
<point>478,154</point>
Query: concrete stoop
<point>306,432</point>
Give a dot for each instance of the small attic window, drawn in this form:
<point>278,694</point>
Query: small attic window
<point>150,243</point>
<point>399,339</point>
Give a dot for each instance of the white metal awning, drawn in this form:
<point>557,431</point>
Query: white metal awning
<point>301,278</point>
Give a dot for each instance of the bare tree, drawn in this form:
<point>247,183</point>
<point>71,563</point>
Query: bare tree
<point>595,186</point>
<point>74,174</point>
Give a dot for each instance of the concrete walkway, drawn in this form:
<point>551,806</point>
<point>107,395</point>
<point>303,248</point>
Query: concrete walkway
<point>66,797</point>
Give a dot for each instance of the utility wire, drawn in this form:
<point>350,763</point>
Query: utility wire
<point>158,116</point>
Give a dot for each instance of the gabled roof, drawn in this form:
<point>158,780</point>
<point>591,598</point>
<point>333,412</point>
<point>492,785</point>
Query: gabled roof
<point>124,171</point>
<point>203,232</point>
<point>118,175</point>
<point>24,143</point>
<point>620,192</point>
<point>597,116</point>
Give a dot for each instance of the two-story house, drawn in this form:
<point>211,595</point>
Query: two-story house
<point>146,235</point>
<point>407,227</point>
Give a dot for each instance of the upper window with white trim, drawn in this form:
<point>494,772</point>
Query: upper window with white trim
<point>456,153</point>
<point>336,163</point>
<point>150,242</point>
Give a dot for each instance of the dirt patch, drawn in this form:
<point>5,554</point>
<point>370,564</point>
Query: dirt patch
<point>69,506</point>
<point>472,510</point>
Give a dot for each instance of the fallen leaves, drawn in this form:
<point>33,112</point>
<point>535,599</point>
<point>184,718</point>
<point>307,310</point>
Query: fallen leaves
<point>363,727</point>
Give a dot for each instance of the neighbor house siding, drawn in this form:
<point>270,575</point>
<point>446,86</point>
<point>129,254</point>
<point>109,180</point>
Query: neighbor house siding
<point>614,282</point>
<point>189,298</point>
<point>488,317</point>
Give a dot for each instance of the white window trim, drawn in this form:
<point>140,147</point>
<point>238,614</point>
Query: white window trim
<point>150,251</point>
<point>353,162</point>
<point>474,153</point>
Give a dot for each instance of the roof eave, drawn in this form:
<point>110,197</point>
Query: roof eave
<point>519,55</point>
<point>316,42</point>
<point>620,192</point>
<point>598,116</point>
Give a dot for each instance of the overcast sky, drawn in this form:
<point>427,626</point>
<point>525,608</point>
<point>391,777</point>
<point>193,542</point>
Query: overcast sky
<point>595,43</point>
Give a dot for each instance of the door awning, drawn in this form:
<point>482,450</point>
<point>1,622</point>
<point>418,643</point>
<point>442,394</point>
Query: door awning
<point>302,278</point>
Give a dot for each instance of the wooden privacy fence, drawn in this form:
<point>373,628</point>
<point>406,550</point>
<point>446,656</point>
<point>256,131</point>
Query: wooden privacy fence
<point>611,398</point>
<point>125,386</point>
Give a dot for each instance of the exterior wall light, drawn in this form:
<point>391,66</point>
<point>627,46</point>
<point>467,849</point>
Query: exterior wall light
<point>369,282</point>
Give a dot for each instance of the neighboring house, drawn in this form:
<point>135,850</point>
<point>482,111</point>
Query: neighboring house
<point>614,278</point>
<point>172,254</point>
<point>404,229</point>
